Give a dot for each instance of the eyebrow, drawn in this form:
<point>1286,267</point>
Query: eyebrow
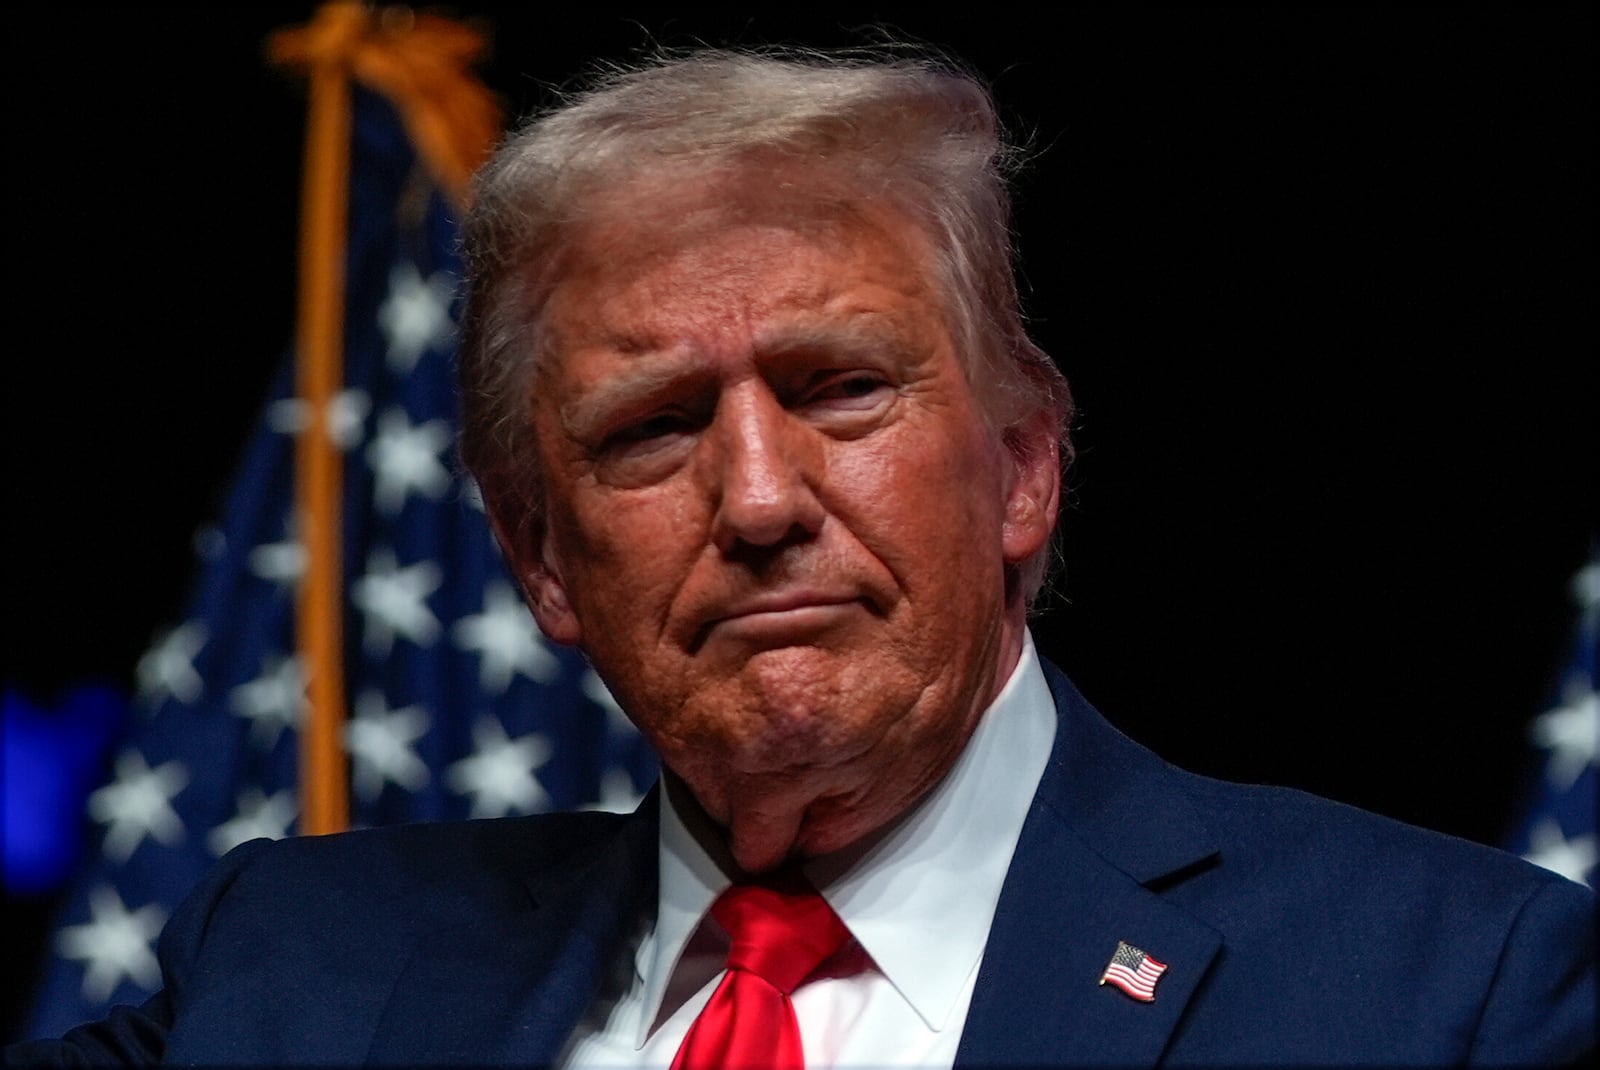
<point>623,392</point>
<point>861,334</point>
<point>660,369</point>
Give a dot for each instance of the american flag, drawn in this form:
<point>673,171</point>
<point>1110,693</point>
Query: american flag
<point>458,707</point>
<point>1133,971</point>
<point>1558,828</point>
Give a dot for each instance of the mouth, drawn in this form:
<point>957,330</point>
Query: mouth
<point>782,618</point>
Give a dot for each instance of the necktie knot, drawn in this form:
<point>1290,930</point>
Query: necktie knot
<point>780,930</point>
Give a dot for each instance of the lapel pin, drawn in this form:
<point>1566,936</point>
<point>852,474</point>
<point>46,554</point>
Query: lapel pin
<point>1133,971</point>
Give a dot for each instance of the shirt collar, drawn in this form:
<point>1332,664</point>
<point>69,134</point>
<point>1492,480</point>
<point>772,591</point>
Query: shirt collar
<point>919,898</point>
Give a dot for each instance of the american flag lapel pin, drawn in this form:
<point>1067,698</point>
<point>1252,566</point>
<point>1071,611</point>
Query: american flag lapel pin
<point>1134,971</point>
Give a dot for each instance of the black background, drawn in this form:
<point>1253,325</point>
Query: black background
<point>1322,281</point>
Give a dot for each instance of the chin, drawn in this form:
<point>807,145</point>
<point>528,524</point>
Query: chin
<point>826,837</point>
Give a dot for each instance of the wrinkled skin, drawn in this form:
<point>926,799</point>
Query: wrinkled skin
<point>776,519</point>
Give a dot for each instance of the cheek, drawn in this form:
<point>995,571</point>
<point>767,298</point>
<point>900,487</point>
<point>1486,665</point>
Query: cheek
<point>630,548</point>
<point>924,504</point>
<point>623,526</point>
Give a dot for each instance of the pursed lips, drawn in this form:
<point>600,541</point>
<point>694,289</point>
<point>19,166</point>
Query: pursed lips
<point>780,615</point>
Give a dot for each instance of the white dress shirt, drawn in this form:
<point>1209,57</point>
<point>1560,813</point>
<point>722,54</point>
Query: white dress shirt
<point>918,900</point>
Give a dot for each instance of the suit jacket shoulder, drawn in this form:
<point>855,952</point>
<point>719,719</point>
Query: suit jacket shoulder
<point>1293,930</point>
<point>314,950</point>
<point>1463,950</point>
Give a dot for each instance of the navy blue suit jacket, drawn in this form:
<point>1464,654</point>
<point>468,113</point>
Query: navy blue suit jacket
<point>1295,931</point>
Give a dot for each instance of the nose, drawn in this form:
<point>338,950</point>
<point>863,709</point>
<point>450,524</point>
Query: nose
<point>765,473</point>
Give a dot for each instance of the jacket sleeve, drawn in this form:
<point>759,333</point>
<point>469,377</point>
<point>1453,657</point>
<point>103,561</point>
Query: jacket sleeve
<point>1540,1010</point>
<point>136,1036</point>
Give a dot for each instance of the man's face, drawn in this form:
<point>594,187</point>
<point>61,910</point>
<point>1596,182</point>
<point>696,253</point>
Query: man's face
<point>776,520</point>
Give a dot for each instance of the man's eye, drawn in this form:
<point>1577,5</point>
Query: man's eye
<point>847,388</point>
<point>648,430</point>
<point>645,435</point>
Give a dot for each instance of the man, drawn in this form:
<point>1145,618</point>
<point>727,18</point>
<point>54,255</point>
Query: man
<point>759,428</point>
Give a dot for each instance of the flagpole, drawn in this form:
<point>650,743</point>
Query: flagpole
<point>418,63</point>
<point>324,780</point>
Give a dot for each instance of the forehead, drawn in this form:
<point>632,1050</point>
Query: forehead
<point>729,266</point>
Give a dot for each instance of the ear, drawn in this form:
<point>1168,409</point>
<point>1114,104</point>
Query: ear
<point>1033,491</point>
<point>543,589</point>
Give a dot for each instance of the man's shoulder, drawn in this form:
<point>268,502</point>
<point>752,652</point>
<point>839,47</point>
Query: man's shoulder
<point>1272,834</point>
<point>1486,953</point>
<point>1280,843</point>
<point>1325,914</point>
<point>413,873</point>
<point>427,845</point>
<point>290,951</point>
<point>1258,854</point>
<point>1266,828</point>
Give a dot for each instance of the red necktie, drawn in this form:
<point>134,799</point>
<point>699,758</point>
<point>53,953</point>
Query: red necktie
<point>781,930</point>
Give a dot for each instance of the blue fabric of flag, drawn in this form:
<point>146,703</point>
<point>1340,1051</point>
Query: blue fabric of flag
<point>457,707</point>
<point>1558,827</point>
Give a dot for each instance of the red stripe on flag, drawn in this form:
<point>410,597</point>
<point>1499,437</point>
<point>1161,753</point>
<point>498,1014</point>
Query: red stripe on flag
<point>1139,983</point>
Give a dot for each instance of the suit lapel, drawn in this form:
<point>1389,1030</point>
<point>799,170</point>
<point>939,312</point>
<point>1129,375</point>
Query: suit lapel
<point>1107,824</point>
<point>508,988</point>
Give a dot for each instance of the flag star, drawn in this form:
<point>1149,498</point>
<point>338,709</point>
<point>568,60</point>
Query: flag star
<point>506,640</point>
<point>257,816</point>
<point>1548,847</point>
<point>1586,586</point>
<point>167,668</point>
<point>617,722</point>
<point>347,414</point>
<point>290,416</point>
<point>115,943</point>
<point>415,317</point>
<point>1570,732</point>
<point>405,460</point>
<point>347,417</point>
<point>281,562</point>
<point>273,701</point>
<point>139,804</point>
<point>395,601</point>
<point>379,740</point>
<point>617,793</point>
<point>499,773</point>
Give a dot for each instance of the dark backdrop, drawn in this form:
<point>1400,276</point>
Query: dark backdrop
<point>1322,282</point>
